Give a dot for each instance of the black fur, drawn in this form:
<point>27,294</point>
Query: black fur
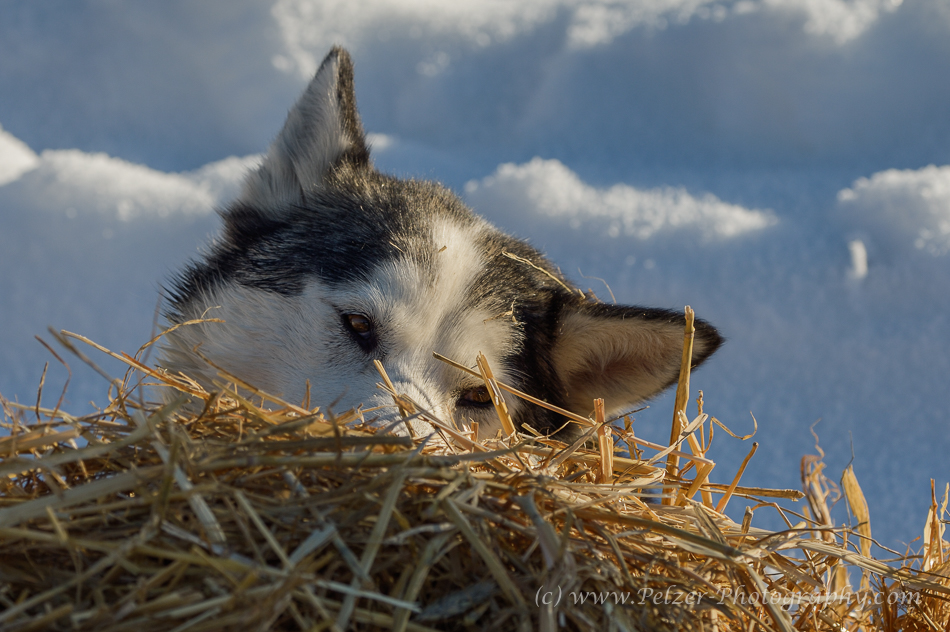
<point>375,214</point>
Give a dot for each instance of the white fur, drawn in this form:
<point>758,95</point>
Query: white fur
<point>278,343</point>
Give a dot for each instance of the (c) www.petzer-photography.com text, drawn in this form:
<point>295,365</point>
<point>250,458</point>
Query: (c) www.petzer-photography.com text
<point>674,596</point>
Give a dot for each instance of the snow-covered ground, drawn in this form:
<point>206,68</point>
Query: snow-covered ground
<point>782,166</point>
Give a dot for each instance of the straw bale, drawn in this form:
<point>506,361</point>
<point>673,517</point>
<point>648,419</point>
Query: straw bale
<point>244,512</point>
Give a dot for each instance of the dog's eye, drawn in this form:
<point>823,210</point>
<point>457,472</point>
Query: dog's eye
<point>362,330</point>
<point>358,324</point>
<point>477,397</point>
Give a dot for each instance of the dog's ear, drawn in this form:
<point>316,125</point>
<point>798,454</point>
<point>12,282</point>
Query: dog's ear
<point>624,355</point>
<point>322,132</point>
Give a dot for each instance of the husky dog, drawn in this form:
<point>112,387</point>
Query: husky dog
<point>326,265</point>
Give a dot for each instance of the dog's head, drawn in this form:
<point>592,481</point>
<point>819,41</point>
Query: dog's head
<point>326,265</point>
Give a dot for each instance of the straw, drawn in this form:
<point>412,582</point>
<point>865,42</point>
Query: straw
<point>682,391</point>
<point>232,514</point>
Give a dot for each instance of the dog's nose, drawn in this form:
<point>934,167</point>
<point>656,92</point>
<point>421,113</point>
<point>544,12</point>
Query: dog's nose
<point>411,402</point>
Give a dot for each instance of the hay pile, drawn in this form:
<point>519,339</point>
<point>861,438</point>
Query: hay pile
<point>249,513</point>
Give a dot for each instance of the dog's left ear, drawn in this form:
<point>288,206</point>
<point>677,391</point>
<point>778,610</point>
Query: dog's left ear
<point>624,355</point>
<point>322,131</point>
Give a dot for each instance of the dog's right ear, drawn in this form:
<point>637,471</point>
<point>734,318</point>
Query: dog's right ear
<point>322,132</point>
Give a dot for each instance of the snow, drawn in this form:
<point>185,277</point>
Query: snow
<point>903,208</point>
<point>859,258</point>
<point>96,182</point>
<point>309,24</point>
<point>15,158</point>
<point>545,190</point>
<point>782,166</point>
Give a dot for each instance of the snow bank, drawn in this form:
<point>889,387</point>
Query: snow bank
<point>307,26</point>
<point>842,20</point>
<point>903,209</point>
<point>547,190</point>
<point>77,182</point>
